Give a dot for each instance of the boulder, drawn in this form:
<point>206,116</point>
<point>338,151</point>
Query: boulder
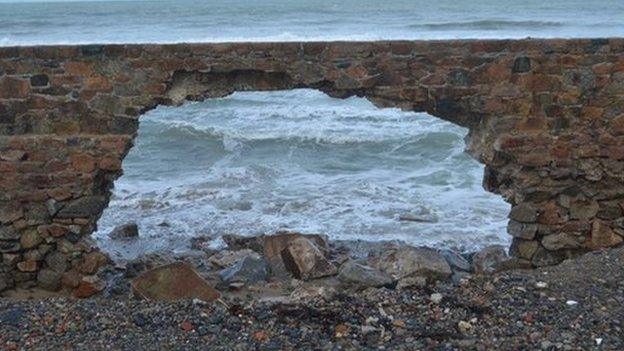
<point>174,281</point>
<point>125,231</point>
<point>249,270</point>
<point>456,261</point>
<point>273,245</point>
<point>305,260</point>
<point>419,264</point>
<point>360,276</point>
<point>488,260</point>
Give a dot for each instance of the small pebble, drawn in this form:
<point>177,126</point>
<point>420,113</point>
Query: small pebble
<point>435,298</point>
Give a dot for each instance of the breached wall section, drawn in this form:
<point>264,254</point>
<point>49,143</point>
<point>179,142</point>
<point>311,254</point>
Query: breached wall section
<point>546,117</point>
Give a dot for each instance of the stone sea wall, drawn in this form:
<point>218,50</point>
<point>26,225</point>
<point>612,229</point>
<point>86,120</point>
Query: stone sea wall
<point>546,118</point>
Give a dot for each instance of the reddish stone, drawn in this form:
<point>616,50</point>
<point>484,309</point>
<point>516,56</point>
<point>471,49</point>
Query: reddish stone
<point>92,262</point>
<point>110,163</point>
<point>551,214</point>
<point>28,266</point>
<point>83,163</point>
<point>78,68</point>
<point>88,286</point>
<point>14,88</point>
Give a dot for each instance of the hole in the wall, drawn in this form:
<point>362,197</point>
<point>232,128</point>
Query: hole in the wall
<point>258,162</point>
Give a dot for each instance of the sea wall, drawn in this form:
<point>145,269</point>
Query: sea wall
<point>546,118</point>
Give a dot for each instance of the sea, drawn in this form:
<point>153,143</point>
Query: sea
<point>261,162</point>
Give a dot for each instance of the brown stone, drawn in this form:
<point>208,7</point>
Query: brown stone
<point>175,281</point>
<point>30,239</point>
<point>92,262</point>
<point>71,279</point>
<point>603,236</point>
<point>544,116</point>
<point>306,261</point>
<point>83,163</point>
<point>28,266</point>
<point>88,286</point>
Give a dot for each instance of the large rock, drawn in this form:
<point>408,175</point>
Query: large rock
<point>416,264</point>
<point>124,231</point>
<point>249,270</point>
<point>306,261</point>
<point>273,245</point>
<point>456,261</point>
<point>175,281</point>
<point>360,276</point>
<point>489,259</point>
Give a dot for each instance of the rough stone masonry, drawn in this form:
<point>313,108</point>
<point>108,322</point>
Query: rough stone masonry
<point>546,117</point>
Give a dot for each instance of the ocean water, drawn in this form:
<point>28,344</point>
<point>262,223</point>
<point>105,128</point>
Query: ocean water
<point>258,162</point>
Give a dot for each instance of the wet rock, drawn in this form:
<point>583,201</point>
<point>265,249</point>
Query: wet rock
<point>49,279</point>
<point>488,260</point>
<point>305,260</point>
<point>410,261</point>
<point>175,281</point>
<point>227,258</point>
<point>359,276</point>
<point>125,231</point>
<point>249,270</point>
<point>456,261</point>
